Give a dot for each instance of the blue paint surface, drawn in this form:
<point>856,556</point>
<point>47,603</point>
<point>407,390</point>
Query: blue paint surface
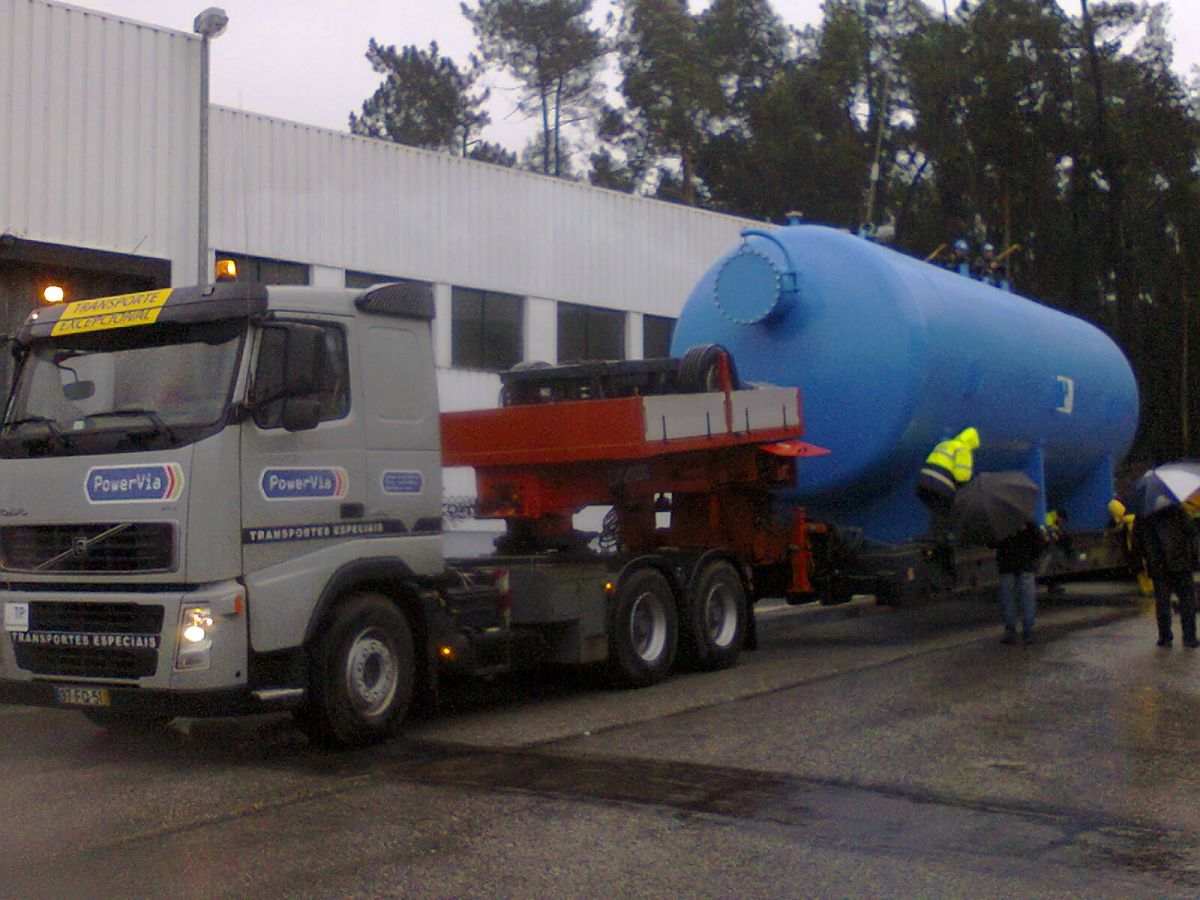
<point>893,354</point>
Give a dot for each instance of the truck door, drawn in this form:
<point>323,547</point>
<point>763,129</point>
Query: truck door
<point>302,476</point>
<point>404,474</point>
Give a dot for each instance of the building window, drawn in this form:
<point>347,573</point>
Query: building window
<point>267,271</point>
<point>485,330</point>
<point>367,279</point>
<point>585,332</point>
<point>656,336</point>
<point>332,388</point>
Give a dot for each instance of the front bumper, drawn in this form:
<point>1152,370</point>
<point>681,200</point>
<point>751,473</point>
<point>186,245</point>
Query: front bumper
<point>125,642</point>
<point>133,701</point>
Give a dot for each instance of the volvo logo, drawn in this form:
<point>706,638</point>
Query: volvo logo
<point>80,546</point>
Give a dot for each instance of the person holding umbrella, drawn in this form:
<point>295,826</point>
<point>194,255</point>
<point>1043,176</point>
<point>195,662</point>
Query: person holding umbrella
<point>1166,542</point>
<point>1164,537</point>
<point>1017,558</point>
<point>999,510</point>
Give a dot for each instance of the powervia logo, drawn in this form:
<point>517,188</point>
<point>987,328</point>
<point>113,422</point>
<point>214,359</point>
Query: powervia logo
<point>304,483</point>
<point>157,482</point>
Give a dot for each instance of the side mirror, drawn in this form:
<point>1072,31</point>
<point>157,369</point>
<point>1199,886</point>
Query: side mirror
<point>300,414</point>
<point>303,359</point>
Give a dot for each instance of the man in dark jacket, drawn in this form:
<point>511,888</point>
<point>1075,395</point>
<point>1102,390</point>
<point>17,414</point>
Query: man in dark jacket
<point>1166,542</point>
<point>1017,559</point>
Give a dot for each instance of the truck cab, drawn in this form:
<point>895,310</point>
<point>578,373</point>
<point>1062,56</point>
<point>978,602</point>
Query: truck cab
<point>204,492</point>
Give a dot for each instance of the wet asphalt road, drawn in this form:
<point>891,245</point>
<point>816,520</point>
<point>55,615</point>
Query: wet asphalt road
<point>862,751</point>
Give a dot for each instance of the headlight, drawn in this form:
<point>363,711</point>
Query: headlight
<point>197,622</point>
<point>195,631</point>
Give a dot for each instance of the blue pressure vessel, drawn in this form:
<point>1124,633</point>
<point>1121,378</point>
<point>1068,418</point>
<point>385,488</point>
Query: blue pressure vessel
<point>893,355</point>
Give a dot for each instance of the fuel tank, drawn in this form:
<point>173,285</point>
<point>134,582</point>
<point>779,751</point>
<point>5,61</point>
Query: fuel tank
<point>893,354</point>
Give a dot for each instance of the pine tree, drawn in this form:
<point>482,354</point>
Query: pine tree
<point>553,52</point>
<point>424,101</point>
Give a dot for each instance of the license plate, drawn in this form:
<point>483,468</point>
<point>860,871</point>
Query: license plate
<point>82,696</point>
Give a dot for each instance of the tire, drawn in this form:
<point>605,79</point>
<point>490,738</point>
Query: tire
<point>717,617</point>
<point>698,370</point>
<point>643,632</point>
<point>127,723</point>
<point>362,674</point>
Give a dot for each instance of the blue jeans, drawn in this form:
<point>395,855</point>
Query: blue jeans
<point>1018,587</point>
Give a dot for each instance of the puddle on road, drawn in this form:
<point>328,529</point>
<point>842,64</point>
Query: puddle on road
<point>864,815</point>
<point>683,786</point>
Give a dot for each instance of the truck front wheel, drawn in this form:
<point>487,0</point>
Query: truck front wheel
<point>716,625</point>
<point>362,674</point>
<point>643,630</point>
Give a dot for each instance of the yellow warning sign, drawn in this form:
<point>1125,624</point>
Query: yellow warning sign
<point>121,311</point>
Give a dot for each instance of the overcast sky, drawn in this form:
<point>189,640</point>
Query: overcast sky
<point>303,59</point>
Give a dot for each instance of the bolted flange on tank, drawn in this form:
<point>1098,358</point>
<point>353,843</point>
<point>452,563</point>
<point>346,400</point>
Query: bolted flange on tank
<point>892,355</point>
<point>750,288</point>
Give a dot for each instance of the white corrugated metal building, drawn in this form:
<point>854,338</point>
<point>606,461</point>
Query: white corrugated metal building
<point>99,160</point>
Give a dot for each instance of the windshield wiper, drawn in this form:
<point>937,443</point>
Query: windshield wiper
<point>14,424</point>
<point>160,427</point>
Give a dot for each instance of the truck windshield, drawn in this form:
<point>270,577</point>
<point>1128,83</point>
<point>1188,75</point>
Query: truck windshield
<point>133,389</point>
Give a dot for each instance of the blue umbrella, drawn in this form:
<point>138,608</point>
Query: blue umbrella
<point>1162,487</point>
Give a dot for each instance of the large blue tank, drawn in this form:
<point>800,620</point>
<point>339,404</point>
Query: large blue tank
<point>893,355</point>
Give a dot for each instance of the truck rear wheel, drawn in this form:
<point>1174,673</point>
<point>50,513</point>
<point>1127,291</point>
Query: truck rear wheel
<point>643,630</point>
<point>716,626</point>
<point>362,675</point>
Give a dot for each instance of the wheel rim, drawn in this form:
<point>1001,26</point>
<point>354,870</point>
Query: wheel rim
<point>648,626</point>
<point>721,614</point>
<point>372,674</point>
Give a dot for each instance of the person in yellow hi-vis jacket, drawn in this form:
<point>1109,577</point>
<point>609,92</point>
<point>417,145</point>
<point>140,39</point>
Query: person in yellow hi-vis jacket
<point>1124,521</point>
<point>950,465</point>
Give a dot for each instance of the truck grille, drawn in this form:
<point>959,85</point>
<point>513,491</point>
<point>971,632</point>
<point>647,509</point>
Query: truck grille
<point>99,547</point>
<point>84,640</point>
<point>110,618</point>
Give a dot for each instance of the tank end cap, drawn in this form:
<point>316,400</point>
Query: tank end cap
<point>748,288</point>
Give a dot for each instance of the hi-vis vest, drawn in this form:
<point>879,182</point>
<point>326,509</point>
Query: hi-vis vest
<point>955,456</point>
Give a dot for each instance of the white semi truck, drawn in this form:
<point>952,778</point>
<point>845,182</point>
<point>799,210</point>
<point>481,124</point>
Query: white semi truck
<point>228,499</point>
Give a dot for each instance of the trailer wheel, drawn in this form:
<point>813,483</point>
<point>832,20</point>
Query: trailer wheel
<point>363,668</point>
<point>716,625</point>
<point>643,630</point>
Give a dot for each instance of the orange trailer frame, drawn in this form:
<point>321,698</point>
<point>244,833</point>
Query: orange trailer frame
<point>713,460</point>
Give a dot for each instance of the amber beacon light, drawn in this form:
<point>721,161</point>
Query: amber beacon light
<point>226,270</point>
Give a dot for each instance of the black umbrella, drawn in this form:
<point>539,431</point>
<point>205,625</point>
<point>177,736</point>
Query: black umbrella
<point>993,506</point>
<point>1163,486</point>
